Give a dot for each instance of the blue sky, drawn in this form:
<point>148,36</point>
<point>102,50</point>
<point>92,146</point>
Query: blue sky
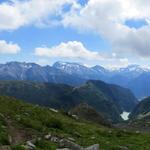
<point>84,31</point>
<point>31,37</point>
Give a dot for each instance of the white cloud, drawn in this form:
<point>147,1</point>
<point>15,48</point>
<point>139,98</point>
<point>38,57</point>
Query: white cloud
<point>104,17</point>
<point>76,51</point>
<point>8,48</point>
<point>107,18</point>
<point>19,13</point>
<point>71,49</point>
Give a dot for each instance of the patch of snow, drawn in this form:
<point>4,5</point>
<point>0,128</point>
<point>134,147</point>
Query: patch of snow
<point>125,115</point>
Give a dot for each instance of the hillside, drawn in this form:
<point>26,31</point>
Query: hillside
<point>32,125</point>
<point>109,100</point>
<point>86,112</point>
<point>142,109</point>
<point>140,116</point>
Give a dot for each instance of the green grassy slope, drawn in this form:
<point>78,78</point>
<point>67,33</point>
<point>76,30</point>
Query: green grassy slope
<point>24,121</point>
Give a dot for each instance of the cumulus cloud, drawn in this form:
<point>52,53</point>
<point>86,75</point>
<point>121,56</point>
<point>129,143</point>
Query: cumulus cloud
<point>107,18</point>
<point>104,17</point>
<point>71,49</point>
<point>19,13</point>
<point>76,51</point>
<point>8,48</point>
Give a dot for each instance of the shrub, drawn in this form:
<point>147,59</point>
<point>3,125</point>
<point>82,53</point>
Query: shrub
<point>55,123</point>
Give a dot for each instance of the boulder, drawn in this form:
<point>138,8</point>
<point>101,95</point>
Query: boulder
<point>30,145</point>
<point>69,144</point>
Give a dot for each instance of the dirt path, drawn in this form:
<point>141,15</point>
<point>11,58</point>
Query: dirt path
<point>17,134</point>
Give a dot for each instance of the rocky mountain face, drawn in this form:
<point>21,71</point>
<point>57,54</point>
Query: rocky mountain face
<point>35,72</point>
<point>142,109</point>
<point>140,116</point>
<point>109,100</point>
<point>133,77</point>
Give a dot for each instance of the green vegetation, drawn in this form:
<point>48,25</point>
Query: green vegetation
<point>3,132</point>
<point>109,100</point>
<point>38,121</point>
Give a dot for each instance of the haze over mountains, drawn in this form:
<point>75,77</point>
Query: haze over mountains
<point>133,77</point>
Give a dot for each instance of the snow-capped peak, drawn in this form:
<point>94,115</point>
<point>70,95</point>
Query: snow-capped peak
<point>69,67</point>
<point>134,68</point>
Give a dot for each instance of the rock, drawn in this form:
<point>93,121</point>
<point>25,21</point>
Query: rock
<point>137,132</point>
<point>75,117</point>
<point>54,139</point>
<point>71,139</point>
<point>53,110</point>
<point>26,147</point>
<point>47,137</point>
<point>6,147</point>
<point>30,145</point>
<point>70,145</point>
<point>93,147</point>
<point>63,149</point>
<point>9,139</point>
<point>73,146</point>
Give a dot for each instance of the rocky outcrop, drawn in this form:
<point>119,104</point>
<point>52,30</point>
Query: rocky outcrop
<point>68,144</point>
<point>93,147</point>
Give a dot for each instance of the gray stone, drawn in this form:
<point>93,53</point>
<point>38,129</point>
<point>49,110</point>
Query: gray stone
<point>54,139</point>
<point>137,132</point>
<point>71,145</point>
<point>9,139</point>
<point>48,136</point>
<point>75,117</point>
<point>30,145</point>
<point>53,110</point>
<point>71,139</point>
<point>93,147</point>
<point>64,149</point>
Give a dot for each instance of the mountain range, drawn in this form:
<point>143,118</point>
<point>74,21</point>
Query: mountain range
<point>133,77</point>
<point>108,99</point>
